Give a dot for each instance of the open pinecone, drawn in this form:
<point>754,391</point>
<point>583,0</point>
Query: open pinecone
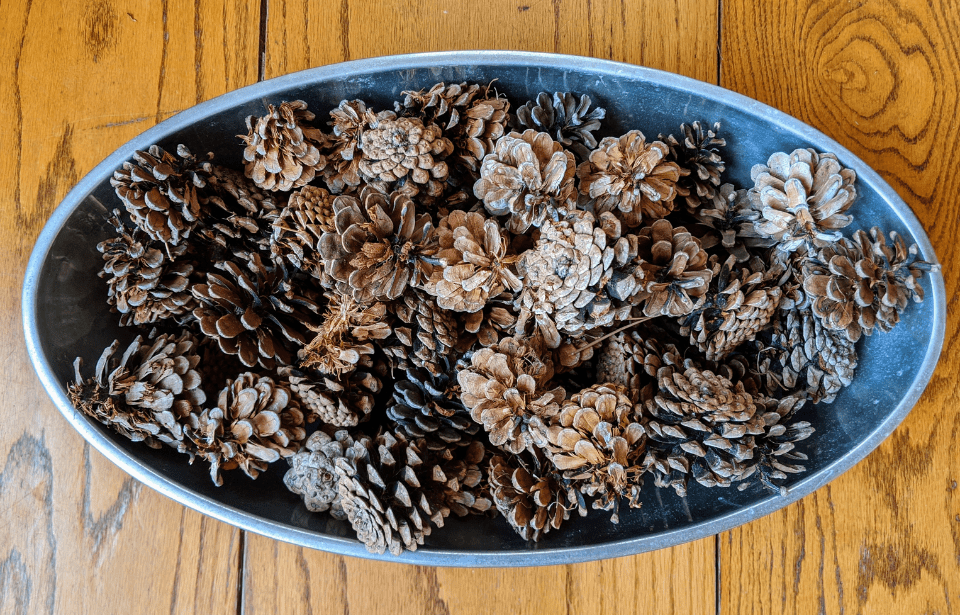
<point>282,148</point>
<point>775,456</point>
<point>342,401</point>
<point>426,405</point>
<point>487,325</point>
<point>160,192</point>
<point>531,495</point>
<point>405,150</point>
<point>298,228</point>
<point>699,153</point>
<point>343,341</point>
<point>429,337</point>
<point>569,120</point>
<point>732,216</point>
<point>242,221</point>
<point>313,473</point>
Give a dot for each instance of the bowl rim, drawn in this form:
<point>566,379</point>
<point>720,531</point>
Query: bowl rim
<point>540,554</point>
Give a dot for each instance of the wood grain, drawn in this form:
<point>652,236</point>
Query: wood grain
<point>77,79</point>
<point>882,78</point>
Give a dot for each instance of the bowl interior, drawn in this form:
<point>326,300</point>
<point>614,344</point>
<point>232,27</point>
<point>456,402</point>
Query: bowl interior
<point>71,317</point>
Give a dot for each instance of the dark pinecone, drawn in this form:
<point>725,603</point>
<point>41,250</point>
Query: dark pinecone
<point>430,334</point>
<point>698,151</point>
<point>568,119</point>
<point>425,405</point>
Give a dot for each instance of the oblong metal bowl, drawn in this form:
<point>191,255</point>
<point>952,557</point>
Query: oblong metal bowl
<point>65,315</point>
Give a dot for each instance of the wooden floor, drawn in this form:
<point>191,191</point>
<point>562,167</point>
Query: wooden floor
<point>80,77</point>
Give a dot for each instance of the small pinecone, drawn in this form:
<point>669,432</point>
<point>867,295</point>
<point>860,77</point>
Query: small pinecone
<point>804,196</point>
<point>532,496</point>
<point>699,153</point>
<point>407,151</point>
<point>425,406</point>
<point>340,402</point>
<point>254,423</point>
<point>505,387</point>
<point>313,473</point>
<point>380,246</point>
<point>443,105</point>
<point>394,491</point>
<point>488,325</point>
<point>631,177</point>
<point>476,264</point>
<point>160,193</point>
<point>282,148</point>
<point>297,230</point>
<point>699,424</point>
<point>343,341</point>
<point>732,215</point>
<point>529,177</point>
<point>144,283</point>
<point>775,456</point>
<point>250,316</point>
<point>429,337</point>
<point>735,308</point>
<point>597,438</point>
<point>484,123</point>
<point>147,393</point>
<point>568,120</point>
<point>349,121</point>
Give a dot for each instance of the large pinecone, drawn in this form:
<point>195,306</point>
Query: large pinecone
<point>426,405</point>
<point>160,192</point>
<point>529,177</point>
<point>313,473</point>
<point>532,496</point>
<point>282,148</point>
<point>698,151</point>
<point>505,387</point>
<point>343,341</point>
<point>342,401</point>
<point>298,228</point>
<point>631,177</point>
<point>429,337</point>
<point>407,151</point>
<point>144,283</point>
<point>673,270</point>
<point>569,120</point>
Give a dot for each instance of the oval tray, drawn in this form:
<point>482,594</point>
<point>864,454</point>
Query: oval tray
<point>65,314</point>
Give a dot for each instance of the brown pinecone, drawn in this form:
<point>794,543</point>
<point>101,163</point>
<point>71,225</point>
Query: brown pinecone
<point>394,491</point>
<point>443,105</point>
<point>597,438</point>
<point>532,496</point>
<point>349,121</point>
<point>529,177</point>
<point>775,455</point>
<point>251,316</point>
<point>343,341</point>
<point>159,191</point>
<point>739,303</point>
<point>699,153</point>
<point>298,227</point>
<point>699,424</point>
<point>405,154</point>
<point>804,198</point>
<point>567,119</point>
<point>630,177</point>
<point>425,405</point>
<point>732,216</point>
<point>488,325</point>
<point>505,387</point>
<point>476,264</point>
<point>313,473</point>
<point>625,359</point>
<point>341,402</point>
<point>144,283</point>
<point>429,337</point>
<point>283,148</point>
<point>254,423</point>
<point>484,123</point>
<point>380,246</point>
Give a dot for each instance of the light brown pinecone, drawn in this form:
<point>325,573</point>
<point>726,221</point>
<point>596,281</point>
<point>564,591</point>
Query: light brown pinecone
<point>342,401</point>
<point>474,252</point>
<point>430,335</point>
<point>597,438</point>
<point>144,283</point>
<point>282,148</point>
<point>505,387</point>
<point>528,177</point>
<point>443,105</point>
<point>628,176</point>
<point>343,341</point>
<point>672,273</point>
<point>425,405</point>
<point>313,473</point>
<point>298,227</point>
<point>698,151</point>
<point>531,495</point>
<point>569,120</point>
<point>405,154</point>
<point>160,191</point>
<point>804,198</point>
<point>483,123</point>
<point>254,423</point>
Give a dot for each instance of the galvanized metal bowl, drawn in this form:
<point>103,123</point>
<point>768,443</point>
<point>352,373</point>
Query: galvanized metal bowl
<point>65,315</point>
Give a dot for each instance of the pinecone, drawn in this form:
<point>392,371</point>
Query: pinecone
<point>144,284</point>
<point>250,316</point>
<point>804,197</point>
<point>298,228</point>
<point>313,473</point>
<point>699,153</point>
<point>597,438</point>
<point>733,216</point>
<point>505,387</point>
<point>442,104</point>
<point>632,360</point>
<point>568,120</point>
<point>425,405</point>
<point>484,123</point>
<point>405,150</point>
<point>282,148</point>
<point>529,177</point>
<point>476,263</point>
<point>340,402</point>
<point>380,246</point>
<point>431,334</point>
<point>342,342</point>
<point>238,216</point>
<point>349,121</point>
<point>488,325</point>
<point>631,177</point>
<point>215,367</point>
<point>254,423</point>
<point>774,456</point>
<point>699,424</point>
<point>160,192</point>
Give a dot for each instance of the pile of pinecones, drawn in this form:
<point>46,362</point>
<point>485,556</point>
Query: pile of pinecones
<point>448,308</point>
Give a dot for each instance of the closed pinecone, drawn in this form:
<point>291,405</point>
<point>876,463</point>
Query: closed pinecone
<point>732,216</point>
<point>698,151</point>
<point>313,473</point>
<point>597,438</point>
<point>215,367</point>
<point>529,177</point>
<point>775,455</point>
<point>628,176</point>
<point>394,491</point>
<point>430,334</point>
<point>250,316</point>
<point>568,119</point>
<point>254,423</point>
<point>160,192</point>
<point>699,424</point>
<point>405,150</point>
<point>673,270</point>
<point>505,387</point>
<point>342,401</point>
<point>380,246</point>
<point>344,340</point>
<point>298,227</point>
<point>632,360</point>
<point>282,149</point>
<point>804,198</point>
<point>531,495</point>
<point>144,283</point>
<point>476,264</point>
<point>739,303</point>
<point>425,405</point>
